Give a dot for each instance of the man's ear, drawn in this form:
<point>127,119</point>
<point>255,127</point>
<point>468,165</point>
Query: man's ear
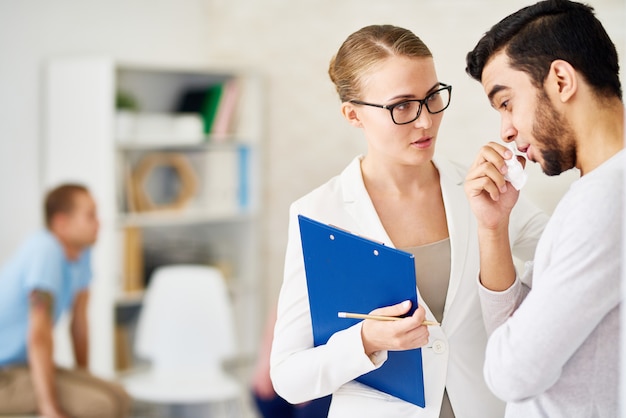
<point>59,222</point>
<point>349,111</point>
<point>563,80</point>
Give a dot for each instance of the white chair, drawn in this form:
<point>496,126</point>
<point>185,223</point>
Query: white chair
<point>185,329</point>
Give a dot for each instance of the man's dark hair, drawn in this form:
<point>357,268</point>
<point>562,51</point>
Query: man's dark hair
<point>535,36</point>
<point>61,200</point>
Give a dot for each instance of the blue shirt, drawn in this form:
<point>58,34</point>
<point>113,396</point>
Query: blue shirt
<point>39,264</point>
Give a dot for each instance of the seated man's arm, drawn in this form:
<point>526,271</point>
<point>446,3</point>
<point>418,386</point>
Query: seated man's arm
<point>80,329</point>
<point>40,353</point>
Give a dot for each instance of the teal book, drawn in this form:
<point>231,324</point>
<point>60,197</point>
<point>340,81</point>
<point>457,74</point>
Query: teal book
<point>349,273</point>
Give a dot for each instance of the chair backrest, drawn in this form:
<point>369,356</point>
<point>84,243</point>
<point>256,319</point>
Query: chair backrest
<point>186,321</point>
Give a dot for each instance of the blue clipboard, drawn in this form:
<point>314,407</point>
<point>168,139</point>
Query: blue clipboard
<point>349,273</point>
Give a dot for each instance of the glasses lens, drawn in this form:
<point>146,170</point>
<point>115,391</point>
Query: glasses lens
<point>405,112</point>
<point>438,101</point>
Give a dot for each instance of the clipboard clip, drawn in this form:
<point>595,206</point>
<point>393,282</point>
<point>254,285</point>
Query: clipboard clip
<point>354,233</point>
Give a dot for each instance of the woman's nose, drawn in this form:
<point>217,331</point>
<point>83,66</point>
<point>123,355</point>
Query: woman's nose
<point>424,120</point>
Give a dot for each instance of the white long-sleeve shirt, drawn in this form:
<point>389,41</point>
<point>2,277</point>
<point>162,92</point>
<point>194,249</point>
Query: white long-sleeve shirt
<point>554,344</point>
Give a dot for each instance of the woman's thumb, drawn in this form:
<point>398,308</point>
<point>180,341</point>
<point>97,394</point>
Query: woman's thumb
<point>393,310</point>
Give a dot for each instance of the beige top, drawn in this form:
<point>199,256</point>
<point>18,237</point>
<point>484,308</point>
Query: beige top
<point>432,271</point>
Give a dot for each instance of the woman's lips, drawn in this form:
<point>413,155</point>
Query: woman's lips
<point>423,142</point>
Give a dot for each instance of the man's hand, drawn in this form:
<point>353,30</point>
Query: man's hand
<point>492,200</point>
<point>490,196</point>
<point>52,412</point>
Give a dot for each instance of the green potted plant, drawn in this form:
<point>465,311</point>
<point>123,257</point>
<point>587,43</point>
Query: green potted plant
<point>126,106</point>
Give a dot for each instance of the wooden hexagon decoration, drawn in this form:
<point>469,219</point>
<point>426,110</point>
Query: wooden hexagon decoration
<point>177,162</point>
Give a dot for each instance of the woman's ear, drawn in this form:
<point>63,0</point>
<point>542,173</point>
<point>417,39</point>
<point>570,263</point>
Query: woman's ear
<point>564,80</point>
<point>349,111</point>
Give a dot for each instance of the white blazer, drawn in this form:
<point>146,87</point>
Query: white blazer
<point>454,356</point>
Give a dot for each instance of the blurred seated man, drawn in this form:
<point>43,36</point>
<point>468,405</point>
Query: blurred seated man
<point>47,276</point>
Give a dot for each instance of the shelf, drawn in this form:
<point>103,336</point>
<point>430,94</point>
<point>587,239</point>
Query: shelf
<point>179,217</point>
<point>204,144</point>
<point>217,223</point>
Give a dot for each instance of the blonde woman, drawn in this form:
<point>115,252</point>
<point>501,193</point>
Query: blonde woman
<point>399,193</point>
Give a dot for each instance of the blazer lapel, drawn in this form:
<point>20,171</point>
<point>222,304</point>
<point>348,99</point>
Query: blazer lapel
<point>359,206</point>
<point>458,217</point>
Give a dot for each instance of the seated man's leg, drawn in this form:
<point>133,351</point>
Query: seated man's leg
<point>83,395</point>
<point>17,395</point>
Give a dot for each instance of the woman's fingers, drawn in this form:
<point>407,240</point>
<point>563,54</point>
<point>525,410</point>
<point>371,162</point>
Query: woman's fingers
<point>405,334</point>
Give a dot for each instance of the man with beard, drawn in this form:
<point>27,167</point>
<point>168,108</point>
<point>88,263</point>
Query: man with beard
<point>551,71</point>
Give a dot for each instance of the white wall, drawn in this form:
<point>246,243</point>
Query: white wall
<point>291,42</point>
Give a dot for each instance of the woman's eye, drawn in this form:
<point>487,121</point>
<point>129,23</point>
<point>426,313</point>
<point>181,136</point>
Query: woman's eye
<point>402,106</point>
<point>433,97</point>
<point>504,105</point>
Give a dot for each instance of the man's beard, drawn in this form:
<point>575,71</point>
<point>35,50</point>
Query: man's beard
<point>555,137</point>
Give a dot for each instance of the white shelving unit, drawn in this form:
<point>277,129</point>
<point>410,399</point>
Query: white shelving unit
<point>81,146</point>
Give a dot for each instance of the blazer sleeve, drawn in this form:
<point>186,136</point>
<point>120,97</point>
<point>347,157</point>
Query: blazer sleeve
<point>299,371</point>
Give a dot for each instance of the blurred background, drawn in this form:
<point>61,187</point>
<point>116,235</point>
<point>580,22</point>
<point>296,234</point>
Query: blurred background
<point>296,136</point>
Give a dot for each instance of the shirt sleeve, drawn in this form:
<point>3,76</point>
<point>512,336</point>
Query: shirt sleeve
<point>526,226</point>
<point>497,307</point>
<point>577,286</point>
<point>300,371</point>
<point>44,270</point>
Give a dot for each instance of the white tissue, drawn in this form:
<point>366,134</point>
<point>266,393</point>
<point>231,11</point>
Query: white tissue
<point>515,174</point>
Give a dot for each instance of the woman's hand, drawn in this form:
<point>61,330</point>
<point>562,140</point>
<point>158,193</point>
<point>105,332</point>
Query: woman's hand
<point>405,334</point>
<point>490,196</point>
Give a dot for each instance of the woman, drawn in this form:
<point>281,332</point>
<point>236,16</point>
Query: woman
<point>399,194</point>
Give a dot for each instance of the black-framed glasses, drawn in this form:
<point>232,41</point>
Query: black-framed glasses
<point>408,111</point>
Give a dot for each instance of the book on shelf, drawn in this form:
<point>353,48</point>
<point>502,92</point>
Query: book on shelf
<point>210,104</point>
<point>216,104</point>
<point>129,189</point>
<point>222,124</point>
<point>133,260</point>
<point>225,180</point>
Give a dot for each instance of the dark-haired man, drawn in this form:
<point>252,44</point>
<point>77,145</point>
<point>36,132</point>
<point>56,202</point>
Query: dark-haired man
<point>552,73</point>
<point>50,275</point>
